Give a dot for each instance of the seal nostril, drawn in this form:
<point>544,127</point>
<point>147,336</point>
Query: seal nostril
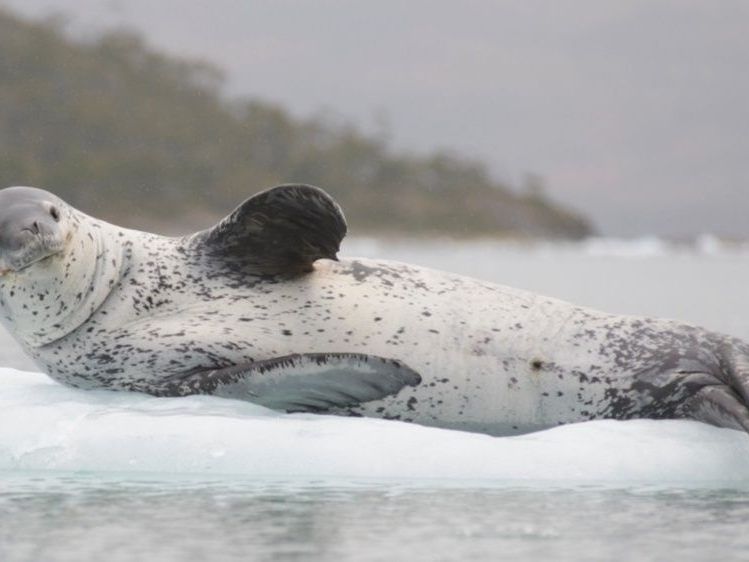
<point>35,227</point>
<point>55,214</point>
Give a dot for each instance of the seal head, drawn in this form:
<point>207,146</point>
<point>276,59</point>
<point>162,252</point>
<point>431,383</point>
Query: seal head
<point>32,227</point>
<point>57,265</point>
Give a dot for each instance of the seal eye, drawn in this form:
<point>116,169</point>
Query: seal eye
<point>55,213</point>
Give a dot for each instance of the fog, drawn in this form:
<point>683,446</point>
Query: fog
<point>634,112</point>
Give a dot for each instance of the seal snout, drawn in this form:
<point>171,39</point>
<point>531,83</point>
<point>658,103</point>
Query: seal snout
<point>37,228</point>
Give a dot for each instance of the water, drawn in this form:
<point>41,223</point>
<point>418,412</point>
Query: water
<point>92,476</point>
<point>88,517</point>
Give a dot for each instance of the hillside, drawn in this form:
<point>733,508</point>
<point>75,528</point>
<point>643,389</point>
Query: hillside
<point>144,139</point>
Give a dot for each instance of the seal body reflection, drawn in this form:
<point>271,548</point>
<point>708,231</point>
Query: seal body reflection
<point>259,308</point>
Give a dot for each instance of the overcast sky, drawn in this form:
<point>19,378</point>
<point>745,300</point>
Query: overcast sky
<point>635,112</point>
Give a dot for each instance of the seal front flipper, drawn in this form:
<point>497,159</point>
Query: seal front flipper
<point>311,382</point>
<point>279,231</point>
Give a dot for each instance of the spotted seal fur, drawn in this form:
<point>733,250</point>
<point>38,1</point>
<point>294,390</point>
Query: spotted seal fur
<point>258,308</point>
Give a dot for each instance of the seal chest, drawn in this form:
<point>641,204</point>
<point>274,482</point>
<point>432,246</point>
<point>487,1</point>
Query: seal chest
<point>259,308</point>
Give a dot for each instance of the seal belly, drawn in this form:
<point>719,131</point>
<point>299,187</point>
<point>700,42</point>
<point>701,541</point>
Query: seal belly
<point>497,371</point>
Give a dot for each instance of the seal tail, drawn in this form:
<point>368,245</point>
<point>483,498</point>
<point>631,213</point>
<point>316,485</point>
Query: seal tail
<point>726,404</point>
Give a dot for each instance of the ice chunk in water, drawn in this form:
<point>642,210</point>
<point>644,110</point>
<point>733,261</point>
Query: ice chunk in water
<point>45,426</point>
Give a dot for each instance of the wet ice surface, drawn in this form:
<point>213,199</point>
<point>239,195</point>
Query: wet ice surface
<point>91,476</point>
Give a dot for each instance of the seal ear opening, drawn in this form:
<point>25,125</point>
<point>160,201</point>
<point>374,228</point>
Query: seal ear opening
<point>283,230</point>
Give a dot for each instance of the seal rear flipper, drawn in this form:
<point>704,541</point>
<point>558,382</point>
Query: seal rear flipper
<point>718,405</point>
<point>735,368</point>
<point>279,231</point>
<point>312,382</point>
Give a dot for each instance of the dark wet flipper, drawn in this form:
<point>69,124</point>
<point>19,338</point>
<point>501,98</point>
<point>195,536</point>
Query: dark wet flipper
<point>312,382</point>
<point>718,405</point>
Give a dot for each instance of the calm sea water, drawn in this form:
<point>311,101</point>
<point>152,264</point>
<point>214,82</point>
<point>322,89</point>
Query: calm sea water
<point>48,515</point>
<point>89,517</point>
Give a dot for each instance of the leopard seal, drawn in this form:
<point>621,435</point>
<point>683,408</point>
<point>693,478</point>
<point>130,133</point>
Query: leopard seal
<point>260,308</point>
